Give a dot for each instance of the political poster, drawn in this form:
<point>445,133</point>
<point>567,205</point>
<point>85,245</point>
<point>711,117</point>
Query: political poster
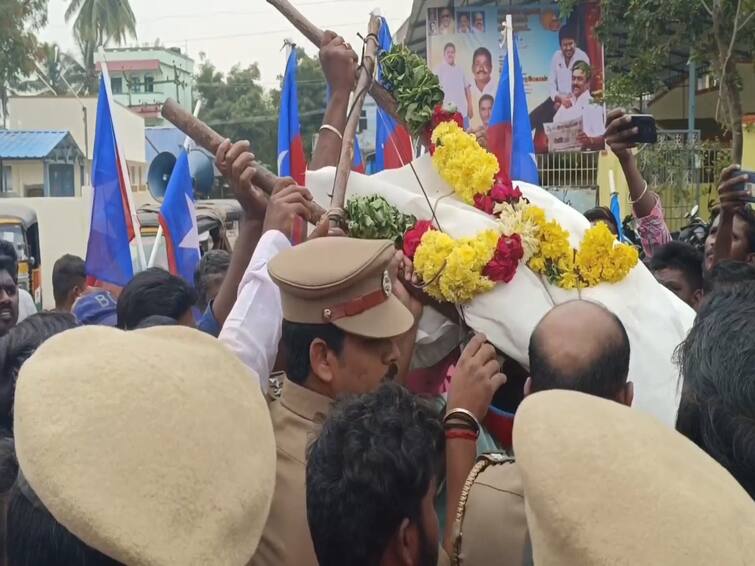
<point>562,62</point>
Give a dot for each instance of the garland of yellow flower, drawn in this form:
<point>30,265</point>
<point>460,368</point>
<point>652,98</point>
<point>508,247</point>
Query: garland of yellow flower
<point>462,163</point>
<point>452,269</point>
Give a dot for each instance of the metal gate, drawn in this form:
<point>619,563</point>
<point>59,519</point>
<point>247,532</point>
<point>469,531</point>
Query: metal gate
<point>684,172</point>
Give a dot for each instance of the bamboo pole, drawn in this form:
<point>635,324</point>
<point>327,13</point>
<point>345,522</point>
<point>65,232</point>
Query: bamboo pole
<point>366,74</point>
<point>207,138</point>
<point>382,97</point>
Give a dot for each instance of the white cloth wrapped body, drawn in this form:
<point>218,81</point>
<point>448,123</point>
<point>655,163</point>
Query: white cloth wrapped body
<point>655,319</point>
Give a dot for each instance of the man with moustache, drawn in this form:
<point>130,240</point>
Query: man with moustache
<point>8,287</point>
<point>482,69</point>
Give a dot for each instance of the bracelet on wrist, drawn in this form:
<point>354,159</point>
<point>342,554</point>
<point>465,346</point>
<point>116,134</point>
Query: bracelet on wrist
<point>463,415</point>
<point>459,425</point>
<point>461,435</point>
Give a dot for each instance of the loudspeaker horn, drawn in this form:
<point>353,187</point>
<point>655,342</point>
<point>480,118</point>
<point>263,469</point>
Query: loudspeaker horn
<point>200,167</point>
<point>159,174</point>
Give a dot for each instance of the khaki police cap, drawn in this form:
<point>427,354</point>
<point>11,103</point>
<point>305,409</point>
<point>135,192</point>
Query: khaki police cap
<point>341,281</point>
<point>606,484</point>
<point>154,447</point>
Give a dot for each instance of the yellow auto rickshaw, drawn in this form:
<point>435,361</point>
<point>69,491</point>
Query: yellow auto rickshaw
<point>18,225</point>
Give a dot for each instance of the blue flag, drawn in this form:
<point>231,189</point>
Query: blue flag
<point>178,218</point>
<point>393,144</point>
<point>108,257</point>
<point>291,161</point>
<point>510,137</point>
<point>616,211</point>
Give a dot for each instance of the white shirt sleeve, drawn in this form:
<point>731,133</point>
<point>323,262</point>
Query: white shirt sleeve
<point>553,77</point>
<point>252,330</point>
<point>26,306</point>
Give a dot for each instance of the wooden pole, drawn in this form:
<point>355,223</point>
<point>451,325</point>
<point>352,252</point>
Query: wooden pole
<point>207,138</point>
<point>366,74</point>
<point>382,97</point>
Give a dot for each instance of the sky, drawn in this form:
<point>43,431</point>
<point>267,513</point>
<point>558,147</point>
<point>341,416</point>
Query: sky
<point>230,32</point>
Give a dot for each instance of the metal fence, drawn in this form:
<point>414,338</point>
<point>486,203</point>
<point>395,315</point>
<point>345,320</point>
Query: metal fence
<point>571,177</point>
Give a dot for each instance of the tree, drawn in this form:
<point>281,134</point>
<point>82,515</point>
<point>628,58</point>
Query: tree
<point>55,71</point>
<point>641,35</point>
<point>97,23</point>
<point>237,106</point>
<point>19,19</point>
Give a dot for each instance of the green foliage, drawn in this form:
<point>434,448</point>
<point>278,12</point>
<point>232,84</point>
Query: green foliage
<point>97,23</point>
<point>414,86</point>
<point>373,218</point>
<point>237,106</point>
<point>55,70</point>
<point>19,19</point>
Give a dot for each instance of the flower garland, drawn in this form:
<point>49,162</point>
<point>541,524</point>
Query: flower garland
<point>456,271</point>
<point>463,164</point>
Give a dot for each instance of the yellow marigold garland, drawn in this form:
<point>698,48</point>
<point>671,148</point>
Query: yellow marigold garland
<point>467,167</point>
<point>453,268</point>
<point>601,260</point>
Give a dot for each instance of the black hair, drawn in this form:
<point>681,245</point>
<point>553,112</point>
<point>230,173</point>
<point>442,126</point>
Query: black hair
<point>748,215</point>
<point>35,537</point>
<point>482,51</point>
<point>68,272</point>
<point>728,273</point>
<point>154,292</point>
<point>296,339</point>
<point>17,346</point>
<point>449,44</point>
<point>603,214</point>
<point>369,469</point>
<point>584,67</point>
<point>567,32</point>
<point>213,263</point>
<point>156,320</point>
<point>717,364</point>
<point>9,259</point>
<point>682,257</point>
<point>486,97</point>
<point>603,376</point>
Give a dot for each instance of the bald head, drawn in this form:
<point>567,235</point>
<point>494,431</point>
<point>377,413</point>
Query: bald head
<point>580,346</point>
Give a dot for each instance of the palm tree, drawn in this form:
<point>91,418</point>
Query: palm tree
<point>97,23</point>
<point>56,71</point>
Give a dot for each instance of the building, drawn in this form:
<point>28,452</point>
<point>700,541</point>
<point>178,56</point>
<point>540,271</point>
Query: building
<point>142,78</point>
<point>78,116</point>
<point>40,163</point>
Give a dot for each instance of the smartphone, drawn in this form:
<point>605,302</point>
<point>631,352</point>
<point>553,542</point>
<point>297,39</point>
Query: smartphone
<point>749,184</point>
<point>647,131</point>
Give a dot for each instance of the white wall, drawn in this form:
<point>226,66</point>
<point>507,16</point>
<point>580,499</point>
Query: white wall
<point>63,228</point>
<point>66,113</point>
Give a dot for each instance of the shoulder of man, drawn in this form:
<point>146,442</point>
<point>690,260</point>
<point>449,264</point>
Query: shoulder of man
<point>490,521</point>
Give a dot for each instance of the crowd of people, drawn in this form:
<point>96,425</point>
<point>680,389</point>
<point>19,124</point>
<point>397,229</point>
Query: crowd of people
<point>264,413</point>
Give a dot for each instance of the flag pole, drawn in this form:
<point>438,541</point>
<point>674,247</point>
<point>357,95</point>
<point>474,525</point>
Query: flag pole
<point>510,61</point>
<point>124,168</point>
<point>188,142</point>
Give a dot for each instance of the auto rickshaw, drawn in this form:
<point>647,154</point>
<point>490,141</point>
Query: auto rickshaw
<point>18,225</point>
<point>217,223</point>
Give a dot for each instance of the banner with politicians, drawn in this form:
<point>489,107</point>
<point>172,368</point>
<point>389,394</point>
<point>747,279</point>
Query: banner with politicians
<point>562,63</point>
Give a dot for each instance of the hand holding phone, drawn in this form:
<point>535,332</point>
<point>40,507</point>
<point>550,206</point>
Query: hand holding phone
<point>646,131</point>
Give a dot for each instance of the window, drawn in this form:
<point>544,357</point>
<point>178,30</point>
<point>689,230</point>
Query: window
<point>116,85</point>
<point>363,121</point>
<point>149,84</point>
<point>6,182</point>
<point>135,84</point>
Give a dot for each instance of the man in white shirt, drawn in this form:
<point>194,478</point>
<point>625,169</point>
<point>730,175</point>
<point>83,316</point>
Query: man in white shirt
<point>482,69</point>
<point>559,78</point>
<point>455,85</point>
<point>581,105</point>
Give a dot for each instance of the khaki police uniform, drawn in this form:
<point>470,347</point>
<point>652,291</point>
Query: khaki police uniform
<point>490,526</point>
<point>339,281</point>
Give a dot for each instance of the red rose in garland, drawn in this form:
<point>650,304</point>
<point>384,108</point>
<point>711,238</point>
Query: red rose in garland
<point>503,192</point>
<point>413,237</point>
<point>505,262</point>
<point>484,203</point>
<point>441,113</point>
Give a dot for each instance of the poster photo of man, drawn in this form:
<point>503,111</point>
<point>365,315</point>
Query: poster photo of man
<point>562,67</point>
